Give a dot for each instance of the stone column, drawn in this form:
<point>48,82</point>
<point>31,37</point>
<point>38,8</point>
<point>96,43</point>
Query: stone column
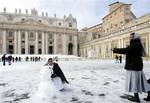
<point>55,43</point>
<point>36,42</point>
<point>46,42</point>
<point>121,43</point>
<point>15,42</point>
<point>19,42</point>
<point>149,45</point>
<point>83,55</point>
<point>103,50</point>
<point>97,53</point>
<point>75,45</point>
<point>110,52</point>
<point>4,47</point>
<point>64,44</point>
<point>26,43</point>
<point>43,43</point>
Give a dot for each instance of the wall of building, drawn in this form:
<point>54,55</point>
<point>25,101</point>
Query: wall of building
<point>100,48</point>
<point>35,34</point>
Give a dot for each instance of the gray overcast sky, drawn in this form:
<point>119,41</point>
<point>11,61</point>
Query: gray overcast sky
<point>87,12</point>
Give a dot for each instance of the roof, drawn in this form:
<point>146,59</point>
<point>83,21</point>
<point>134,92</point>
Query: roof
<point>117,3</point>
<point>115,10</point>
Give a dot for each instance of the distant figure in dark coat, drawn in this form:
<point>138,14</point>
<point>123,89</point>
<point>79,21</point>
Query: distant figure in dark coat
<point>4,59</point>
<point>16,59</point>
<point>9,59</point>
<point>135,77</point>
<point>117,58</point>
<point>13,59</point>
<point>19,59</point>
<point>120,59</point>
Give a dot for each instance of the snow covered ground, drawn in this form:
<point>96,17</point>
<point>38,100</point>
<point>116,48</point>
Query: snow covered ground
<point>96,81</point>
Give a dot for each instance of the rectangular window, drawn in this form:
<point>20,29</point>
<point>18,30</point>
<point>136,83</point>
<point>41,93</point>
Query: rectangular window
<point>23,34</point>
<point>10,34</point>
<point>50,42</point>
<point>70,38</point>
<point>59,24</point>
<point>39,36</point>
<point>70,24</point>
<point>50,36</point>
<point>10,41</point>
<point>100,50</point>
<point>116,25</point>
<point>23,50</point>
<point>31,34</point>
<point>39,42</point>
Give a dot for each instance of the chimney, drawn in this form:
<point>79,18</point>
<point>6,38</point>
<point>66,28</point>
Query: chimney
<point>19,11</point>
<point>55,15</point>
<point>46,14</point>
<point>42,13</point>
<point>16,11</point>
<point>5,10</point>
<point>26,11</point>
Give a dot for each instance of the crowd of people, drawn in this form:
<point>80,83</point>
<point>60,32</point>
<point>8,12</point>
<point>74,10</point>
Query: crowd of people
<point>11,59</point>
<point>118,59</point>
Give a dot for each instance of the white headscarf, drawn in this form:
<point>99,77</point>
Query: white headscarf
<point>137,36</point>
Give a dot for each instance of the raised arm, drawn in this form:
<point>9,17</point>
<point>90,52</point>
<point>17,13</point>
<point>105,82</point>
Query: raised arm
<point>126,50</point>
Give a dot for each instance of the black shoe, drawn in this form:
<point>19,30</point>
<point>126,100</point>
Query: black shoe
<point>133,99</point>
<point>62,90</point>
<point>147,99</point>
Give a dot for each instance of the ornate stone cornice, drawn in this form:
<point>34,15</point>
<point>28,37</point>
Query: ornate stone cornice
<point>38,28</point>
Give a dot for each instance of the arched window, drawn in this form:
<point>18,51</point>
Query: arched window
<point>70,49</point>
<point>70,38</point>
<point>39,35</point>
<point>39,51</point>
<point>23,51</point>
<point>59,24</point>
<point>31,49</point>
<point>23,34</point>
<point>23,19</point>
<point>50,36</point>
<point>31,34</point>
<point>50,49</point>
<point>70,24</point>
<point>10,34</point>
<point>10,49</point>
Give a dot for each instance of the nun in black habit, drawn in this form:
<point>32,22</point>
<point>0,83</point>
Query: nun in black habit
<point>135,77</point>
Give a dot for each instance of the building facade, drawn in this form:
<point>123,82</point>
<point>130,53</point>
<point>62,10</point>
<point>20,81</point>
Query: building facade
<point>97,41</point>
<point>30,33</point>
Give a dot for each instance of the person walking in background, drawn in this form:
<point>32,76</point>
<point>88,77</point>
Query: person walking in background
<point>135,78</point>
<point>120,59</point>
<point>9,59</point>
<point>27,58</point>
<point>116,57</point>
<point>4,59</point>
<point>16,59</point>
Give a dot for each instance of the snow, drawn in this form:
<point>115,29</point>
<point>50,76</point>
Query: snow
<point>91,81</point>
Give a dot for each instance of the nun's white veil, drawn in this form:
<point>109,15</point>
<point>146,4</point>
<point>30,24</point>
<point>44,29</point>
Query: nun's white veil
<point>137,36</point>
